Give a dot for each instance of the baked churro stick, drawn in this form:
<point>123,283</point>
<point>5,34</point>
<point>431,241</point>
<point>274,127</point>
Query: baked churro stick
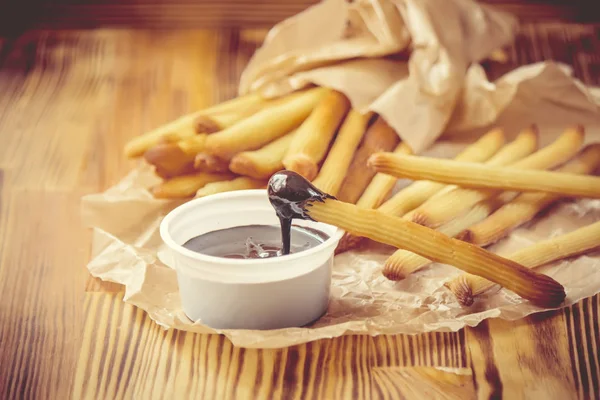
<point>193,145</point>
<point>209,163</point>
<point>187,185</point>
<point>466,286</point>
<point>379,137</point>
<point>334,169</point>
<point>441,211</point>
<point>208,120</point>
<point>264,162</point>
<point>169,160</point>
<point>438,211</point>
<point>240,183</point>
<point>172,132</point>
<point>527,205</point>
<point>378,190</point>
<point>310,146</point>
<point>249,100</point>
<point>517,177</point>
<point>485,177</point>
<point>215,123</point>
<point>503,178</point>
<point>381,185</point>
<point>264,126</point>
<point>403,263</point>
<point>294,197</point>
<point>418,192</point>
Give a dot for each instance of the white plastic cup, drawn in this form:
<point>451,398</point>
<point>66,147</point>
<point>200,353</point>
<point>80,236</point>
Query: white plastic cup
<point>224,293</point>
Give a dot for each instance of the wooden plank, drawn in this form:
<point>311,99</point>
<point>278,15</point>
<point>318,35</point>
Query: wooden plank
<point>98,285</point>
<point>520,360</point>
<point>186,14</point>
<point>572,44</point>
<point>550,356</point>
<point>583,334</point>
<point>42,251</point>
<point>124,354</point>
<point>424,383</point>
<point>84,94</point>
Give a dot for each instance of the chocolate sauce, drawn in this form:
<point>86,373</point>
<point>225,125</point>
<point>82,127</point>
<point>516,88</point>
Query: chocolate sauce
<point>290,194</point>
<point>254,241</point>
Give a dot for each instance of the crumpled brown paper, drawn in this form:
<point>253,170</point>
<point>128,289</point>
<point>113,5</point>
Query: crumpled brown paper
<point>340,45</point>
<point>127,246</point>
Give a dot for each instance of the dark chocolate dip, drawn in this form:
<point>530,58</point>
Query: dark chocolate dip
<point>290,194</point>
<point>253,241</point>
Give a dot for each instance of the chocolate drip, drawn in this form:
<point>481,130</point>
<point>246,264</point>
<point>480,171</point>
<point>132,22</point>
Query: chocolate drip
<point>286,235</point>
<point>289,194</point>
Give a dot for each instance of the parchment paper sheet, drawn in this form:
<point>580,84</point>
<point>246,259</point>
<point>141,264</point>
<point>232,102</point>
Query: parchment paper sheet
<point>446,97</point>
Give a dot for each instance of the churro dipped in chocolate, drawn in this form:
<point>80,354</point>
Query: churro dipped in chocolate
<point>418,192</point>
<point>310,146</point>
<point>466,286</point>
<point>338,160</point>
<point>379,137</point>
<point>403,262</point>
<point>294,197</point>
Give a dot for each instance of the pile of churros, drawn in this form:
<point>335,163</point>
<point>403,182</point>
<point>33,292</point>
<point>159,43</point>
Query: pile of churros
<point>240,143</point>
<point>479,197</point>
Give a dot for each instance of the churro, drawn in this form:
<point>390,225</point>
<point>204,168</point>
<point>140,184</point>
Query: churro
<point>264,162</point>
<point>294,197</point>
<point>209,163</point>
<point>379,137</point>
<point>264,126</point>
<point>402,263</point>
<point>466,286</point>
<point>240,183</point>
<point>418,192</point>
<point>186,185</point>
<point>527,205</point>
<point>169,160</point>
<point>309,147</point>
<point>378,190</point>
<point>334,168</point>
<point>489,179</point>
<point>209,119</point>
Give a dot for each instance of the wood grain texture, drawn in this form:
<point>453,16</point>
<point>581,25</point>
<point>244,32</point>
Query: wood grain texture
<point>69,100</point>
<point>144,361</point>
<point>190,14</point>
<point>40,316</point>
<point>424,382</point>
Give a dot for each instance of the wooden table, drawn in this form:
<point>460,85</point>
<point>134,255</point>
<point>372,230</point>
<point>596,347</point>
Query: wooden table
<point>69,100</point>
